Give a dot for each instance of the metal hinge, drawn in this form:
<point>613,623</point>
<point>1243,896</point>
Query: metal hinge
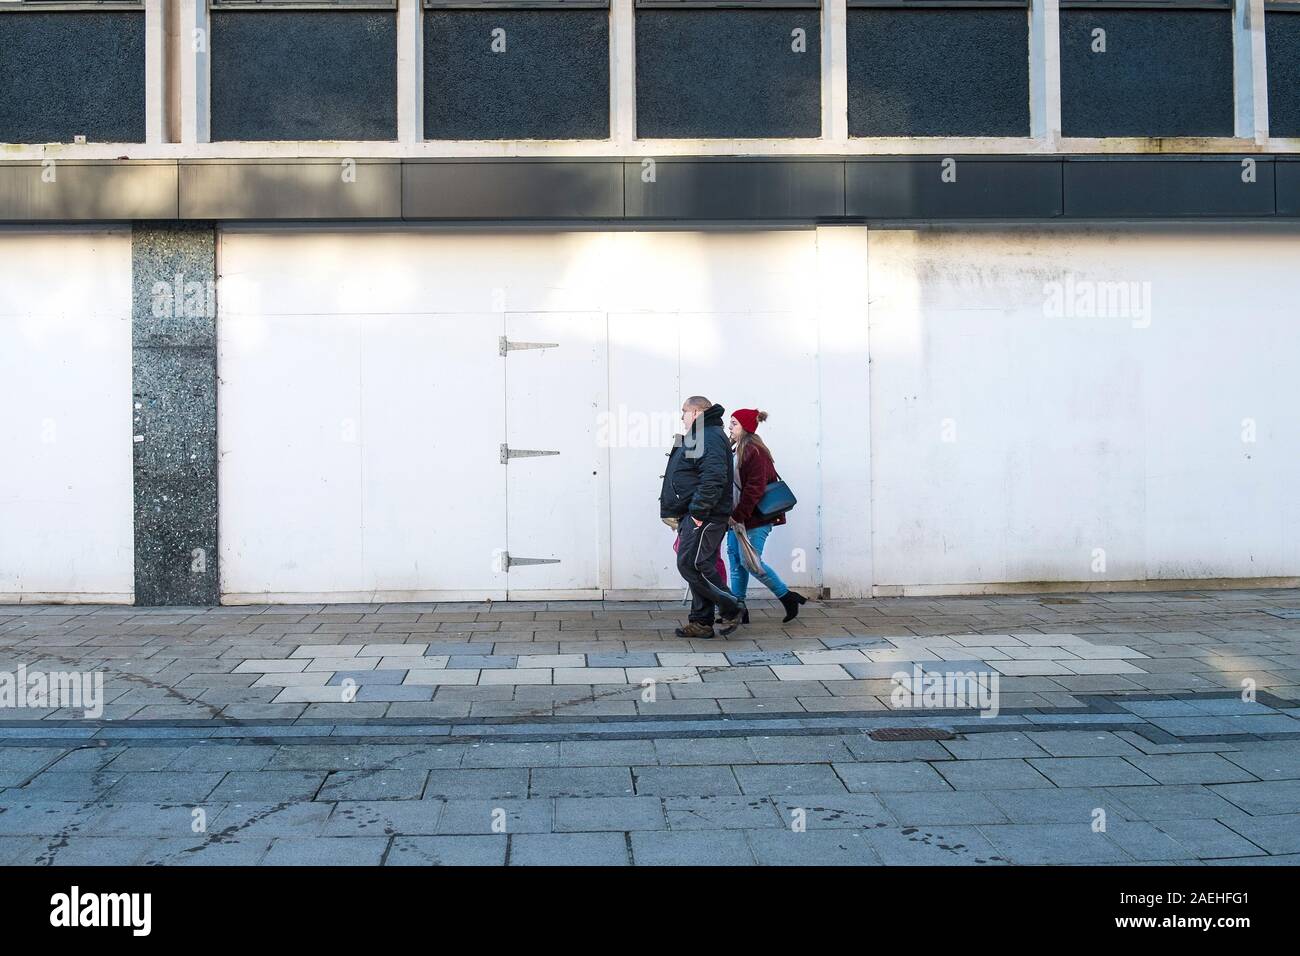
<point>507,562</point>
<point>507,453</point>
<point>504,345</point>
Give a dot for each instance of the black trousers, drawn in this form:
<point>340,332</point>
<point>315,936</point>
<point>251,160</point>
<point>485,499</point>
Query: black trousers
<point>697,562</point>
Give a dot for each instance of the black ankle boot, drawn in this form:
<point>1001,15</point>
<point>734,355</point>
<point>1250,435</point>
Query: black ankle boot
<point>744,616</point>
<point>791,601</point>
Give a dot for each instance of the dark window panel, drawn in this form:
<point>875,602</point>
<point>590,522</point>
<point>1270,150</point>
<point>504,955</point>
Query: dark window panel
<point>551,81</point>
<point>927,72</point>
<point>1282,31</point>
<point>1164,73</point>
<point>304,75</point>
<point>72,74</point>
<point>727,73</point>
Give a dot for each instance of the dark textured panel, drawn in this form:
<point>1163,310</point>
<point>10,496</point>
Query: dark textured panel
<point>512,190</point>
<point>727,73</point>
<point>1282,31</point>
<point>1164,73</point>
<point>982,189</point>
<point>949,72</point>
<point>72,74</point>
<point>174,412</point>
<point>1166,188</point>
<point>1287,174</point>
<point>550,82</point>
<point>90,190</point>
<point>692,189</point>
<point>287,189</point>
<point>303,75</point>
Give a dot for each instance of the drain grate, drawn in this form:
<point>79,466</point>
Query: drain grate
<point>911,733</point>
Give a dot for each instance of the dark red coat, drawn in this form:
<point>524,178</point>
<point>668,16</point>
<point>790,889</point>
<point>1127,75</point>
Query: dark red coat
<point>756,472</point>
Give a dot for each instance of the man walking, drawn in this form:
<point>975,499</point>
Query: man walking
<point>697,492</point>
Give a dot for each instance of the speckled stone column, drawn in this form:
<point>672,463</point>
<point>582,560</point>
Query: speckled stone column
<point>174,372</point>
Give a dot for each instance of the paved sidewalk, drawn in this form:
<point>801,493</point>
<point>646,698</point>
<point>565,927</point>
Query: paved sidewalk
<point>585,732</point>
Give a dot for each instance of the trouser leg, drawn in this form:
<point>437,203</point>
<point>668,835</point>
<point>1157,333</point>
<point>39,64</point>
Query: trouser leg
<point>697,559</point>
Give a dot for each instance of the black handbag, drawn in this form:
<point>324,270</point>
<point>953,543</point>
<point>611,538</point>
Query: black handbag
<point>777,500</point>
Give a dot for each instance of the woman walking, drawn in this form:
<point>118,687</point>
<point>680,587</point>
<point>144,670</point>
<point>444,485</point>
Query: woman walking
<point>755,470</point>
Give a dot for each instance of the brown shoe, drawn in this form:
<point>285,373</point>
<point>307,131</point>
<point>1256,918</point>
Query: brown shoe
<point>695,631</point>
<point>728,625</point>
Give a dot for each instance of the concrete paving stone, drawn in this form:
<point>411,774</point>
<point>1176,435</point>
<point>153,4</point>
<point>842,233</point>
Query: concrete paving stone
<point>1208,839</point>
<point>164,786</point>
<point>52,785</point>
<point>706,848</point>
<point>536,675</point>
<point>663,675</point>
<point>1266,764</point>
<point>715,690</point>
<point>383,693</point>
<point>790,689</point>
<point>47,817</point>
<point>31,760</point>
<point>831,657</point>
<point>368,677</point>
<point>459,648</point>
<point>144,758</point>
<point>1055,805</point>
<point>1100,666</point>
<point>373,785</point>
<point>590,675</point>
<point>312,695</point>
<point>568,849</point>
<point>1258,799</point>
<point>685,781</point>
<point>384,817</point>
<point>393,650</point>
<point>447,851</point>
<point>1191,768</point>
<point>326,851</point>
<point>811,848</point>
<point>1082,743</point>
<point>884,777</point>
<point>785,779</point>
<point>833,811</point>
<point>864,748</point>
<point>497,816</point>
<point>985,746</point>
<point>270,666</point>
<point>995,774</point>
<point>941,808</point>
<point>504,754</point>
<point>476,784</point>
<point>1262,724</point>
<point>761,658</point>
<point>182,851</point>
<point>480,661</point>
<point>810,672</point>
<point>580,782</point>
<point>1030,668</point>
<point>262,711</point>
<point>1228,706</point>
<point>1169,802</point>
<point>267,786</point>
<point>609,814</point>
<point>1275,834</point>
<point>439,678</point>
<point>326,650</point>
<point>607,753</point>
<point>78,850</point>
<point>1040,844</point>
<point>933,846</point>
<point>799,749</point>
<point>1091,772</point>
<point>685,751</point>
<point>625,660</point>
<point>554,662</point>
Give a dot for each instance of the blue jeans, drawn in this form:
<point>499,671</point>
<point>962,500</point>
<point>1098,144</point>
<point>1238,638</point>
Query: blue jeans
<point>740,574</point>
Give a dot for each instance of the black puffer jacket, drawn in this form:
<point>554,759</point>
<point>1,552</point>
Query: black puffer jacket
<point>700,472</point>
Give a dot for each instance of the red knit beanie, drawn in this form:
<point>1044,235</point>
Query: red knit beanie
<point>748,418</point>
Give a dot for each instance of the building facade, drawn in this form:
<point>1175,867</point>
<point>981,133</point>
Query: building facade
<point>398,299</point>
